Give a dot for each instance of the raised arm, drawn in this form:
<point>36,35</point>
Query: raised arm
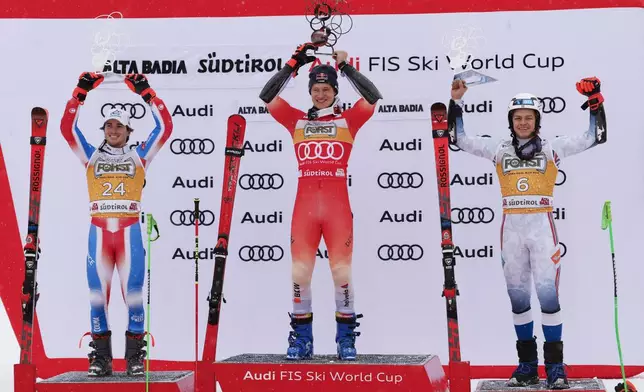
<point>139,84</point>
<point>566,146</point>
<point>69,122</point>
<point>278,82</point>
<point>483,147</point>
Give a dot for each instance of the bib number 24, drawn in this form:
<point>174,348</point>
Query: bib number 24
<point>120,189</point>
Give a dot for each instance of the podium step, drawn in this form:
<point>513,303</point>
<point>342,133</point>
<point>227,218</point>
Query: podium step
<point>588,385</point>
<point>172,381</point>
<point>373,373</point>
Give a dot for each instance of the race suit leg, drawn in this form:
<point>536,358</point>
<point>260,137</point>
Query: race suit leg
<point>100,268</point>
<point>515,258</point>
<point>130,261</point>
<point>337,230</point>
<point>545,257</point>
<point>305,238</point>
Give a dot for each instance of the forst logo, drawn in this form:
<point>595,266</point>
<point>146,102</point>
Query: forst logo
<point>510,163</point>
<point>102,167</point>
<point>320,130</point>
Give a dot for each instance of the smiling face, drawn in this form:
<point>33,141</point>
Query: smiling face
<point>322,95</point>
<point>115,133</point>
<point>524,122</point>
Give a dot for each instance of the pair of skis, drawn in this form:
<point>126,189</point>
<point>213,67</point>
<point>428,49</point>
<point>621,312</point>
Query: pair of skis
<point>440,134</point>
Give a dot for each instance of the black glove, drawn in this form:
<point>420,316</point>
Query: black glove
<point>139,84</point>
<point>87,82</point>
<point>590,87</point>
<point>620,387</point>
<point>300,58</point>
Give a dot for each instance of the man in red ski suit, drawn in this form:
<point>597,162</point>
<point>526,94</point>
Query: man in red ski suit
<point>323,139</point>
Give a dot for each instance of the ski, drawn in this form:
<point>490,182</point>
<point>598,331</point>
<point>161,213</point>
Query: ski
<point>440,135</point>
<point>38,140</point>
<point>234,151</point>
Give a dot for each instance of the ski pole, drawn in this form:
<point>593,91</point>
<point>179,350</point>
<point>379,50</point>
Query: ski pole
<point>607,223</point>
<point>196,215</point>
<point>151,224</point>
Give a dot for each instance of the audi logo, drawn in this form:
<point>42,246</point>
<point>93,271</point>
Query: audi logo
<point>474,215</point>
<point>320,150</point>
<point>137,110</point>
<point>261,181</point>
<point>400,180</point>
<point>261,253</point>
<point>400,252</point>
<point>187,218</point>
<point>455,148</point>
<point>192,146</point>
<point>564,249</point>
<point>552,104</point>
<point>561,178</point>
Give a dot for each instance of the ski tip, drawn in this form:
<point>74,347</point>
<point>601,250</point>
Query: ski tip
<point>438,106</point>
<point>38,111</point>
<point>237,118</point>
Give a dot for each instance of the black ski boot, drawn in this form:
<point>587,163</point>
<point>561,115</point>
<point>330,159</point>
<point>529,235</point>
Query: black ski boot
<point>553,359</point>
<point>100,359</point>
<point>526,373</point>
<point>134,353</point>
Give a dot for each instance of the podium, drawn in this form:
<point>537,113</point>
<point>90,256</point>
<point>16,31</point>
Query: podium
<point>171,381</point>
<point>588,385</point>
<point>369,372</point>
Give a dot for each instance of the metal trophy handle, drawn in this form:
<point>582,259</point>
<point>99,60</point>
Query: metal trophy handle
<point>328,23</point>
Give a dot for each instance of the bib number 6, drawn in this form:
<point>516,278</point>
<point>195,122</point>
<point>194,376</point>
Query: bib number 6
<point>522,184</point>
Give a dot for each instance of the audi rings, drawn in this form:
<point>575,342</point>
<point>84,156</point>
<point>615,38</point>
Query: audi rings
<point>261,253</point>
<point>192,146</point>
<point>455,148</point>
<point>564,249</point>
<point>400,180</point>
<point>474,215</point>
<point>320,150</point>
<point>187,218</point>
<point>136,110</point>
<point>561,178</point>
<point>552,104</point>
<point>259,181</point>
<point>400,252</point>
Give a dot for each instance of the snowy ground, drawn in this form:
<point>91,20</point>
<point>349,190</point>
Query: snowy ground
<point>11,351</point>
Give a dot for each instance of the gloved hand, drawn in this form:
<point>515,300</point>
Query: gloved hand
<point>620,387</point>
<point>300,58</point>
<point>87,82</point>
<point>590,87</point>
<point>139,84</point>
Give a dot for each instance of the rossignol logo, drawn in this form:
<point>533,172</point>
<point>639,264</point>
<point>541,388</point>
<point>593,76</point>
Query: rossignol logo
<point>201,111</point>
<point>248,64</point>
<point>202,183</point>
<point>401,108</point>
<point>147,67</point>
<point>189,254</point>
<point>36,172</point>
<point>274,146</point>
<point>416,216</point>
<point>103,167</point>
<point>320,130</point>
<point>484,179</point>
<point>252,110</point>
<point>510,163</point>
<point>470,253</point>
<point>413,145</point>
<point>275,217</point>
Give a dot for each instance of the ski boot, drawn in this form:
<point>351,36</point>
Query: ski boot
<point>526,373</point>
<point>345,337</point>
<point>300,339</point>
<point>553,359</point>
<point>134,353</point>
<point>100,359</point>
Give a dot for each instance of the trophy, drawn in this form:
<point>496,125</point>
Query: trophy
<point>328,22</point>
<point>460,44</point>
<point>107,43</point>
